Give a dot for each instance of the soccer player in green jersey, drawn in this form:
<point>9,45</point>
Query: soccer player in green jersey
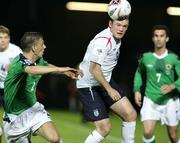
<point>159,69</point>
<point>23,114</point>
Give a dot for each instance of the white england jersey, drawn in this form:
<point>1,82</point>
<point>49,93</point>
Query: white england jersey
<point>103,50</point>
<point>5,58</point>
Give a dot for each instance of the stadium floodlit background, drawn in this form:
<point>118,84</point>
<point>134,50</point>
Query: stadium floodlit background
<point>67,33</point>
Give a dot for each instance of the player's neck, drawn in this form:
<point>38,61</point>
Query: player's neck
<point>160,51</point>
<point>117,40</point>
<point>30,57</point>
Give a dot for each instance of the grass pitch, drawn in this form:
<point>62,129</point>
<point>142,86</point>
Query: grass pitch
<point>72,130</point>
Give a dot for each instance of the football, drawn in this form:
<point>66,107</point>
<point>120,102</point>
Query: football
<point>119,9</point>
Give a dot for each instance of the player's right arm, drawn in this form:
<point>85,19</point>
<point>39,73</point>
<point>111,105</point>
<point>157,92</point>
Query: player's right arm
<point>138,82</point>
<point>39,70</point>
<point>96,71</point>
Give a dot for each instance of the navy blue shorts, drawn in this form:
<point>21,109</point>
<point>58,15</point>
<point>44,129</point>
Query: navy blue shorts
<point>96,101</point>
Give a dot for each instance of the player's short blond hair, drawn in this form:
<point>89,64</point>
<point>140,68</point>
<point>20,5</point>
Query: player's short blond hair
<point>4,29</point>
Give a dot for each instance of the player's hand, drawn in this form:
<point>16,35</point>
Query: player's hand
<point>138,98</point>
<point>167,88</point>
<point>114,94</point>
<point>73,73</point>
<point>79,73</point>
<point>70,74</point>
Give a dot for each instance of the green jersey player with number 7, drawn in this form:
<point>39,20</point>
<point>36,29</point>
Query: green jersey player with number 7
<point>161,70</point>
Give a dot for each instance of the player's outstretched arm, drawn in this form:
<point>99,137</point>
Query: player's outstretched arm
<point>39,70</point>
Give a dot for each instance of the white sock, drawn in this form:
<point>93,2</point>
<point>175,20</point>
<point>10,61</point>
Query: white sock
<point>0,131</point>
<point>128,132</point>
<point>61,141</point>
<point>148,140</point>
<point>94,137</point>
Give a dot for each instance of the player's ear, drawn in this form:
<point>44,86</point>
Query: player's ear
<point>167,39</point>
<point>110,23</point>
<point>153,39</point>
<point>33,48</point>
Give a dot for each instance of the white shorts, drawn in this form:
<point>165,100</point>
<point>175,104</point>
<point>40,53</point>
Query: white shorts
<point>167,114</point>
<point>22,126</point>
<point>179,110</point>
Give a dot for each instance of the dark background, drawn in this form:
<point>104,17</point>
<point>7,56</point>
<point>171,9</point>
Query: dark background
<point>67,33</point>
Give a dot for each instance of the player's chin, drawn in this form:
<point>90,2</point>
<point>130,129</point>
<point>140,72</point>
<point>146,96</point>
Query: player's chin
<point>3,47</point>
<point>119,36</point>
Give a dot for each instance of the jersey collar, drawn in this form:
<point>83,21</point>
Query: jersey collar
<point>161,56</point>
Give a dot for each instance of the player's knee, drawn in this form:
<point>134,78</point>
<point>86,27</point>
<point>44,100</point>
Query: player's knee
<point>148,132</point>
<point>131,115</point>
<point>104,128</point>
<point>54,139</point>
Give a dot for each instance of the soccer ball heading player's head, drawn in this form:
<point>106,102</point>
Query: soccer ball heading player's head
<point>119,9</point>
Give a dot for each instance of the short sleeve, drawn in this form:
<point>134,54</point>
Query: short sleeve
<point>100,47</point>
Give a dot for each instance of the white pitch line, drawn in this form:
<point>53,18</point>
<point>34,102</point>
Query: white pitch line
<point>88,130</point>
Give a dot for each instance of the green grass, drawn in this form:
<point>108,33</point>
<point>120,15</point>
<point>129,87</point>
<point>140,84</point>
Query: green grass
<point>72,130</point>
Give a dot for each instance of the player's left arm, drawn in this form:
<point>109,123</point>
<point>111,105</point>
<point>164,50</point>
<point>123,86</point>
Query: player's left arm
<point>96,71</point>
<point>176,85</point>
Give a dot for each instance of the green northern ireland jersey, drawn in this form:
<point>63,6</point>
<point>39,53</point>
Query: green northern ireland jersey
<point>20,87</point>
<point>158,71</point>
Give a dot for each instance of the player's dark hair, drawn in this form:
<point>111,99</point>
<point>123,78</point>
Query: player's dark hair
<point>120,18</point>
<point>161,27</point>
<point>29,39</point>
<point>4,29</point>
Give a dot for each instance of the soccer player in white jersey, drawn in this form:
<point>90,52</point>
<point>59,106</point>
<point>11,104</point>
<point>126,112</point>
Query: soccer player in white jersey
<point>97,90</point>
<point>7,52</point>
<point>160,69</point>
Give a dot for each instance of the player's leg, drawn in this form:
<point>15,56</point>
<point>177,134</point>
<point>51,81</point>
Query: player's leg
<point>149,116</point>
<point>173,133</point>
<point>125,110</point>
<point>103,128</point>
<point>49,132</point>
<point>149,126</point>
<point>95,111</point>
<point>43,125</point>
<point>172,108</point>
